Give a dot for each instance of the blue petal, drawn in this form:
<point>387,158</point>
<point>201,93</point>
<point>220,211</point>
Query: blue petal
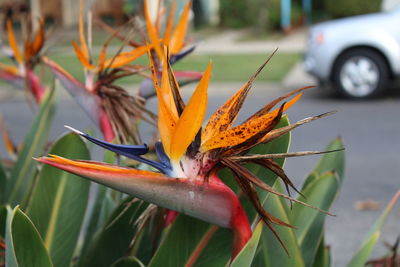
<point>130,151</point>
<point>162,156</point>
<point>125,150</point>
<point>179,56</point>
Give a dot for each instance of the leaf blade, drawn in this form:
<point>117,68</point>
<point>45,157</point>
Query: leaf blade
<point>310,223</point>
<point>360,258</point>
<point>24,247</point>
<point>245,257</point>
<point>24,170</point>
<point>59,202</point>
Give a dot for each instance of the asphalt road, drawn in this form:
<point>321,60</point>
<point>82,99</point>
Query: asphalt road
<point>370,131</point>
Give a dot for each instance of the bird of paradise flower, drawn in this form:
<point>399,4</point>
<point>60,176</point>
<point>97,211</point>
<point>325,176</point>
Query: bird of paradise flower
<point>21,74</point>
<point>110,106</point>
<point>189,156</point>
<point>174,36</point>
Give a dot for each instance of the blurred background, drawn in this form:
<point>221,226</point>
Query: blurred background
<point>238,35</point>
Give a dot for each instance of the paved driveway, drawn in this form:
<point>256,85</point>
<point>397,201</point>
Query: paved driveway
<point>370,130</point>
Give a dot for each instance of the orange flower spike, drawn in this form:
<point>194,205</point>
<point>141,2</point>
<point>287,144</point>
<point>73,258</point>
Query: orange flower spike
<point>179,34</point>
<point>126,57</point>
<point>102,57</point>
<point>100,167</point>
<point>168,30</point>
<point>13,42</point>
<point>38,42</point>
<point>191,119</point>
<point>153,33</point>
<point>225,116</point>
<point>160,13</point>
<point>33,47</point>
<point>8,143</point>
<point>245,131</point>
<point>81,56</point>
<point>166,91</point>
<point>82,40</point>
<point>166,119</point>
<point>7,68</point>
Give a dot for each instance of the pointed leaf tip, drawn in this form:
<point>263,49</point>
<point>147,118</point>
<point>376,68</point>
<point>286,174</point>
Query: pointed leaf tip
<point>74,130</point>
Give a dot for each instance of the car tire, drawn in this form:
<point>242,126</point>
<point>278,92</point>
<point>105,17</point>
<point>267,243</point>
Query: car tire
<point>360,74</point>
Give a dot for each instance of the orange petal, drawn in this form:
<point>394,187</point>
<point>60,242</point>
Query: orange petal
<point>9,144</point>
<point>10,69</point>
<point>152,31</point>
<point>243,132</point>
<point>225,116</point>
<point>174,86</point>
<point>178,37</point>
<point>101,167</point>
<point>82,57</point>
<point>37,44</point>
<point>125,57</point>
<point>166,119</point>
<point>32,48</point>
<point>102,57</point>
<point>160,12</point>
<point>166,89</point>
<point>191,119</point>
<point>82,31</point>
<point>168,30</point>
<point>13,42</point>
<point>269,106</point>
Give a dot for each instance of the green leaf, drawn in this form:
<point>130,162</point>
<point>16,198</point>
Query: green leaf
<point>218,251</point>
<point>102,208</point>
<point>113,241</point>
<point>246,255</point>
<point>181,239</point>
<point>309,180</point>
<point>22,175</point>
<point>3,183</point>
<point>128,262</point>
<point>271,250</point>
<point>373,234</point>
<point>59,202</point>
<point>323,257</point>
<point>24,247</point>
<point>4,210</point>
<point>96,216</point>
<point>309,222</point>
<point>334,161</point>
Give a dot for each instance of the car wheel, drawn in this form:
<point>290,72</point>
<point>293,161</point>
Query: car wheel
<point>360,74</point>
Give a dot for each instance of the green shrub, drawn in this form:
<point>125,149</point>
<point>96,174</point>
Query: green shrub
<point>345,8</point>
<point>240,14</point>
<point>236,14</point>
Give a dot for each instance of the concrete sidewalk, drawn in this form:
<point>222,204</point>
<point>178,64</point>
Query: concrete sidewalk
<point>229,42</point>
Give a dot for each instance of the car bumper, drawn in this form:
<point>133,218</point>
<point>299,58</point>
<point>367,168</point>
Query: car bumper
<point>318,64</point>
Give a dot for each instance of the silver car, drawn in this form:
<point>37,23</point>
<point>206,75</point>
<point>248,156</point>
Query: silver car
<point>358,55</point>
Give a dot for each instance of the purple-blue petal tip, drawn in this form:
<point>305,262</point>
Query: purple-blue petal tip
<point>131,151</point>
